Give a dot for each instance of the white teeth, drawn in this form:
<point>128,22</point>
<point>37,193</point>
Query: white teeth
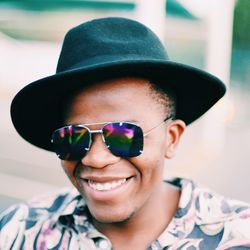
<point>106,185</point>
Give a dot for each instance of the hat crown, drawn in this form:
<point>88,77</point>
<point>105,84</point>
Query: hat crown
<point>106,40</point>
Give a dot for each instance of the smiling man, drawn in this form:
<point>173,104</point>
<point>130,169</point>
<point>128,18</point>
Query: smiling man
<point>114,112</point>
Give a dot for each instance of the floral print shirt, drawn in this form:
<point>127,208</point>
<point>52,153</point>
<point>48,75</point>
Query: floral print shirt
<point>204,220</point>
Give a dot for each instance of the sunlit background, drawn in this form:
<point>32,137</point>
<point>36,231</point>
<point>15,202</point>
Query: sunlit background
<point>209,34</point>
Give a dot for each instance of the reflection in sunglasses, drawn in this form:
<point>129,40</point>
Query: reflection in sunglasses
<point>129,133</point>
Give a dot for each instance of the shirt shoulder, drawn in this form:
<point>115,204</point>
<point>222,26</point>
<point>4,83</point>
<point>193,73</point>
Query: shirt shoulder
<point>207,220</point>
<point>20,219</point>
<point>212,207</point>
<point>218,215</point>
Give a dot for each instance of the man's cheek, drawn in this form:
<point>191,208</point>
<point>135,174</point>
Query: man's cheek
<point>69,169</point>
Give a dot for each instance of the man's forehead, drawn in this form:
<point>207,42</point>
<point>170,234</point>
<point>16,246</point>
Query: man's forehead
<point>119,93</point>
<point>114,87</point>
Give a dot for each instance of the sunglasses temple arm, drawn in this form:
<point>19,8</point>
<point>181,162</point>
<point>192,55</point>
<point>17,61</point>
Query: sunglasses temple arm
<point>157,126</point>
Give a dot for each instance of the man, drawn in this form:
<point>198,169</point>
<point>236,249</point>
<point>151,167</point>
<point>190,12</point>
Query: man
<point>114,111</point>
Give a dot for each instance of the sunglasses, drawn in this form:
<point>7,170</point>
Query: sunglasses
<point>123,139</point>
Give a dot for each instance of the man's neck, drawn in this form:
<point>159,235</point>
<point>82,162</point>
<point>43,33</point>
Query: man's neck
<point>145,225</point>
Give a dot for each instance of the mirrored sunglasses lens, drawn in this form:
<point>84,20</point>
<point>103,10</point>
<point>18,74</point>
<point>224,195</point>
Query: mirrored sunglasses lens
<point>71,142</point>
<point>123,139</point>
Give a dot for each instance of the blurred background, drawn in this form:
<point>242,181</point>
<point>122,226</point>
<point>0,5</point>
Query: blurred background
<point>208,34</point>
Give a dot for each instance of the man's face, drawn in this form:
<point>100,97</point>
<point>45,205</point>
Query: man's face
<point>135,182</point>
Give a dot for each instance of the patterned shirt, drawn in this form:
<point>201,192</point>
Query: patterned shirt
<point>204,220</point>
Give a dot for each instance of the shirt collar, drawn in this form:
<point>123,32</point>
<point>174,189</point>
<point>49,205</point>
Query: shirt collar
<point>75,214</point>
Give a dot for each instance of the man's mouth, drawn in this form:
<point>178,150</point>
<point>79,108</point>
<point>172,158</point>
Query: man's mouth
<point>105,186</point>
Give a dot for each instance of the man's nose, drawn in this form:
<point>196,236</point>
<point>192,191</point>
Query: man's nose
<point>99,155</point>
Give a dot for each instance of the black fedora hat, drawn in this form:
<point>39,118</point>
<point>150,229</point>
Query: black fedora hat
<point>102,49</point>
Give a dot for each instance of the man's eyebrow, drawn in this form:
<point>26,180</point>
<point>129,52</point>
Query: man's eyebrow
<point>131,121</point>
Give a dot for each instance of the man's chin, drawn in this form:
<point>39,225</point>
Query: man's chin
<point>111,219</point>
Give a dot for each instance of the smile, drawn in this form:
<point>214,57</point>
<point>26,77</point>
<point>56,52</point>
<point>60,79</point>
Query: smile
<point>105,186</point>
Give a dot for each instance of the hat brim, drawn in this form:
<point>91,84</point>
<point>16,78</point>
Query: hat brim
<point>36,109</point>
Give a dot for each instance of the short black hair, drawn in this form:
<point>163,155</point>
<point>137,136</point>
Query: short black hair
<point>166,99</point>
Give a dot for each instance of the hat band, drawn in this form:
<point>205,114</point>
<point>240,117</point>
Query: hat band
<point>108,60</point>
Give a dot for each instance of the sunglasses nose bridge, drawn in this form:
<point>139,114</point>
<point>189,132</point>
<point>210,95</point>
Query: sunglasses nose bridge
<point>97,131</point>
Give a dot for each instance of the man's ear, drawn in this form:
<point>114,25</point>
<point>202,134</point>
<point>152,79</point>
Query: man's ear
<point>174,132</point>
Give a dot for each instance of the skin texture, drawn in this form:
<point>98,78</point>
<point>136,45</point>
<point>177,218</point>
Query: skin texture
<point>127,213</point>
